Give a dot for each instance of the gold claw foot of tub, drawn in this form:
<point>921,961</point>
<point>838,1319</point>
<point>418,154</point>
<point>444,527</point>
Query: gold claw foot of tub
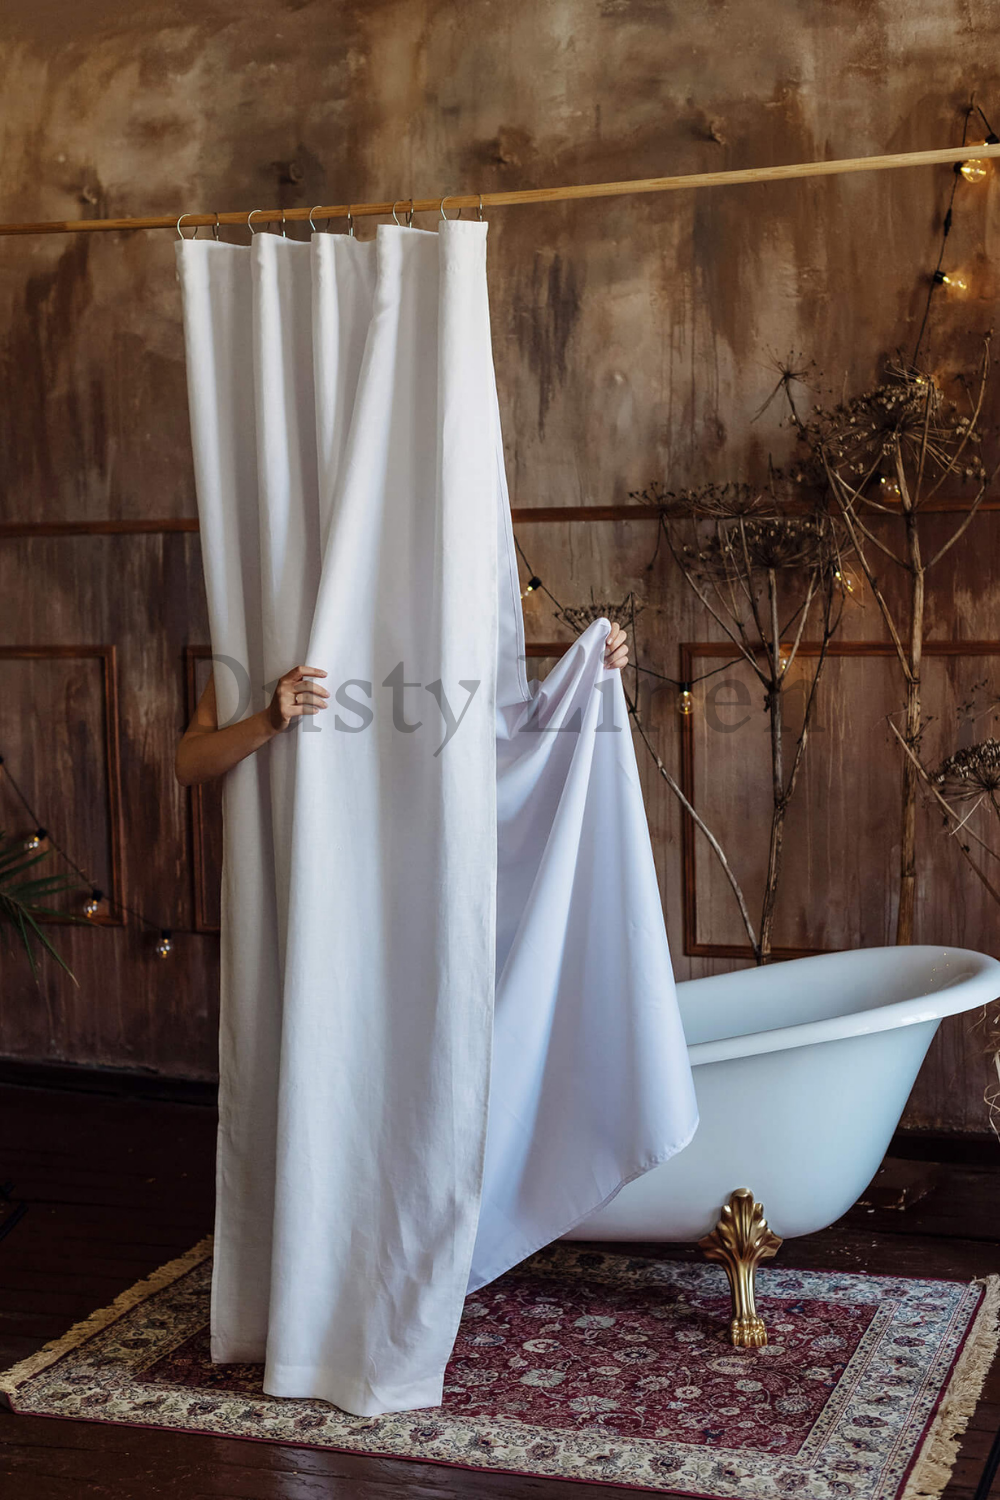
<point>741,1240</point>
<point>748,1333</point>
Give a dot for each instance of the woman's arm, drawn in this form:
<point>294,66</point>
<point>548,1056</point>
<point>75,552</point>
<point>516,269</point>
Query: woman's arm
<point>205,751</point>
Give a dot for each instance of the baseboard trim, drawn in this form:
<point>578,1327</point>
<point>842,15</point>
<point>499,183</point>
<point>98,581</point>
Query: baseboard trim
<point>959,1148</point>
<point>112,1083</point>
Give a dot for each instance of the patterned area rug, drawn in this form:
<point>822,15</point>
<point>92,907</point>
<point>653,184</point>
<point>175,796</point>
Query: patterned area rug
<point>585,1366</point>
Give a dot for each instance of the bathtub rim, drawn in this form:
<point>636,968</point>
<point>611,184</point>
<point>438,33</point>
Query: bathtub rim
<point>977,988</point>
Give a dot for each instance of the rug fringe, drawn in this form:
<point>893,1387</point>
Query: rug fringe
<point>932,1470</point>
<point>80,1332</point>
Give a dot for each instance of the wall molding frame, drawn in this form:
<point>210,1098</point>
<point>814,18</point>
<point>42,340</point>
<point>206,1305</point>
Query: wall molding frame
<point>107,658</point>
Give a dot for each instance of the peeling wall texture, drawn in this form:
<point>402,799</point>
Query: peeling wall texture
<point>634,338</point>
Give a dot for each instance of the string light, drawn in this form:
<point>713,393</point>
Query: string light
<point>685,700</point>
<point>890,487</point>
<point>977,167</point>
<point>953,279</point>
<point>973,170</point>
<point>536,583</point>
<point>92,906</point>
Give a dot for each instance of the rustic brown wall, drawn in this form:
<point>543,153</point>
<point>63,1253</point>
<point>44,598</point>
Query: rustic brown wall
<point>632,340</point>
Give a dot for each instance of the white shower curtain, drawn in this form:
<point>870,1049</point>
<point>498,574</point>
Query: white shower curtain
<point>448,1026</point>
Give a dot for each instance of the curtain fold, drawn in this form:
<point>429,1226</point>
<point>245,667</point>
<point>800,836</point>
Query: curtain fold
<point>448,1025</point>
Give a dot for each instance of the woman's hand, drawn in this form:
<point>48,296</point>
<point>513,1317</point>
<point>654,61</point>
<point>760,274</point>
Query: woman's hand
<point>205,751</point>
<point>296,696</point>
<point>616,648</point>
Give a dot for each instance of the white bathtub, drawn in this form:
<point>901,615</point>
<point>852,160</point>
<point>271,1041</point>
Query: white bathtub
<point>802,1071</point>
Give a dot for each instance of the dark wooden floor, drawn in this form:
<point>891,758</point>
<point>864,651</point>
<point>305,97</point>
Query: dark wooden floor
<point>118,1185</point>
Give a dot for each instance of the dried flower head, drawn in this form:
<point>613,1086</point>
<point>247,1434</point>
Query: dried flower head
<point>781,541</point>
<point>579,616</point>
<point>741,547</point>
<point>715,501</point>
<point>792,369</point>
<point>707,500</point>
<point>902,422</point>
<point>969,773</point>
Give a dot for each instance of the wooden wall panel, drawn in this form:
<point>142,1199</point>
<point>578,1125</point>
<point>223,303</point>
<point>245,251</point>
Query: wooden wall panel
<point>143,595</point>
<point>633,340</point>
<point>842,848</point>
<point>62,757</point>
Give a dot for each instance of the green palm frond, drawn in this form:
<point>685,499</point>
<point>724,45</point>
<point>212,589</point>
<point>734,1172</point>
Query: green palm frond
<point>23,902</point>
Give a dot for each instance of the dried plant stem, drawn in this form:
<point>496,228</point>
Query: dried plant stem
<point>802,624</point>
<point>908,810</point>
<point>903,423</point>
<point>846,503</point>
<point>744,598</point>
<point>779,803</point>
<point>696,817</point>
<point>784,790</point>
<point>736,634</point>
<point>920,771</point>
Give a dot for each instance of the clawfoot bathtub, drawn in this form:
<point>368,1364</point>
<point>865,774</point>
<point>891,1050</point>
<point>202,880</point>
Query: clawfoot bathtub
<point>802,1070</point>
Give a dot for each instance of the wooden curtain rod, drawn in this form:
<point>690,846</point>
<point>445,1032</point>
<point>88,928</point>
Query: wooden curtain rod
<point>459,201</point>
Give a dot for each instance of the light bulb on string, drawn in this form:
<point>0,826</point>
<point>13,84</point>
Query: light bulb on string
<point>532,584</point>
<point>685,700</point>
<point>93,905</point>
<point>889,487</point>
<point>953,280</point>
<point>845,580</point>
<point>977,167</point>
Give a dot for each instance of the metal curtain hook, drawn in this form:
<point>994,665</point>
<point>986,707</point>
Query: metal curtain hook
<point>183,236</point>
<point>283,234</point>
<point>444,200</point>
<point>215,227</point>
<point>350,222</point>
<point>312,226</point>
<point>480,208</point>
<point>250,217</point>
<point>409,211</point>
